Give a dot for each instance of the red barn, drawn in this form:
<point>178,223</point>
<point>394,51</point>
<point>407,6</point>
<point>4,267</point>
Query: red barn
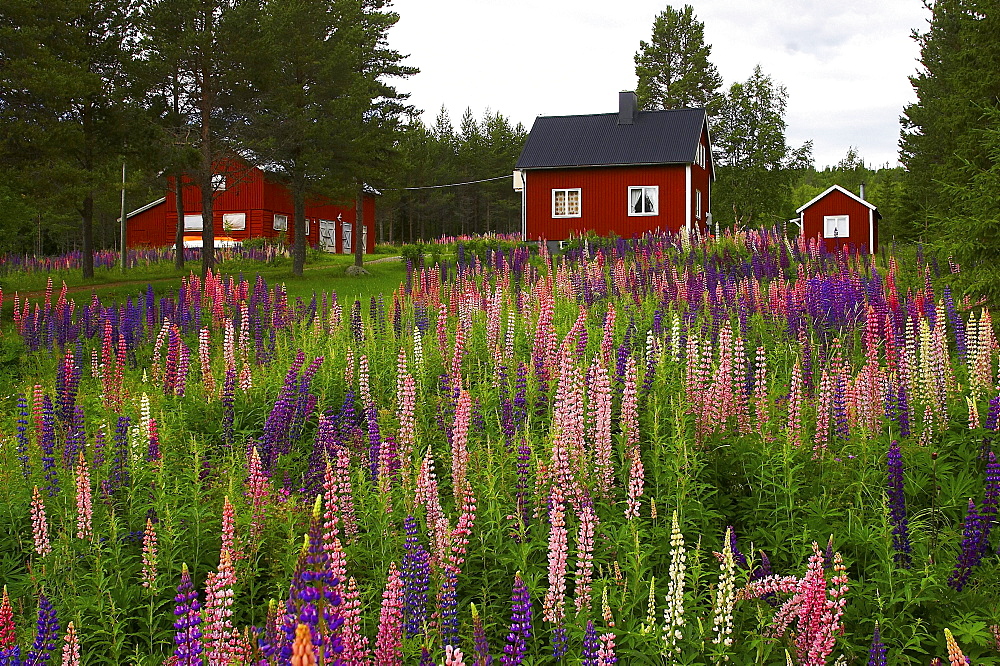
<point>624,173</point>
<point>841,218</point>
<point>251,203</point>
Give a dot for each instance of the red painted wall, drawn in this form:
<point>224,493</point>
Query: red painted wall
<point>838,203</point>
<point>248,190</point>
<point>604,204</point>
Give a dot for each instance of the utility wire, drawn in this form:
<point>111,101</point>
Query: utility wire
<point>434,187</point>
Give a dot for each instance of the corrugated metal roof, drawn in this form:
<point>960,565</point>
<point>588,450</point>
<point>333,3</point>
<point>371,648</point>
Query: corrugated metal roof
<point>656,137</point>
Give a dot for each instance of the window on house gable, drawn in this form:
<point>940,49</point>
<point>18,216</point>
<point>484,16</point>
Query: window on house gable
<point>219,182</point>
<point>701,155</point>
<point>281,222</point>
<point>566,203</point>
<point>836,226</point>
<point>643,200</point>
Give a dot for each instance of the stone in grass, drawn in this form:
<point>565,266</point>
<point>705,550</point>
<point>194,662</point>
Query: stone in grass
<point>356,271</point>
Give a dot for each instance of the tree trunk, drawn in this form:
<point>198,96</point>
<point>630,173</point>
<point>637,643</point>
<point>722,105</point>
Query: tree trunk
<point>87,215</point>
<point>299,226</point>
<point>207,222</point>
<point>359,223</point>
<point>179,227</point>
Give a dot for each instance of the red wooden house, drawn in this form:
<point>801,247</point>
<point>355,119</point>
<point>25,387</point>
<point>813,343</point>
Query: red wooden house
<point>251,203</point>
<point>624,173</point>
<point>841,218</point>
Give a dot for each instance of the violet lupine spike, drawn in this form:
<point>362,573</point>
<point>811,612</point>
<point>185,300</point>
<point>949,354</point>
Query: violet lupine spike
<point>47,443</point>
<point>520,625</point>
<point>971,552</point>
<point>991,497</point>
<point>448,602</point>
<point>480,645</point>
<point>738,557</point>
<point>876,654</point>
<point>187,610</point>
<point>22,435</point>
<point>46,635</point>
<point>591,645</point>
<point>897,507</point>
<point>416,581</point>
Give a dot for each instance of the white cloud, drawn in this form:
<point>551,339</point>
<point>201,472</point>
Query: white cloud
<point>845,65</point>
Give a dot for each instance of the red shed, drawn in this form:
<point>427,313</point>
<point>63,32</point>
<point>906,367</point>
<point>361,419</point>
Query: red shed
<point>252,203</point>
<point>624,173</point>
<point>841,218</point>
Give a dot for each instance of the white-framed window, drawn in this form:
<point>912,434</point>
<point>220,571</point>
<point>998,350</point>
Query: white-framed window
<point>307,226</point>
<point>566,202</point>
<point>234,221</point>
<point>280,222</point>
<point>697,204</point>
<point>643,200</point>
<point>193,222</point>
<point>219,182</point>
<point>700,155</point>
<point>836,226</point>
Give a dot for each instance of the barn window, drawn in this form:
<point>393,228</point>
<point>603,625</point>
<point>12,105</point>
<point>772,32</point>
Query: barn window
<point>643,200</point>
<point>280,222</point>
<point>219,182</point>
<point>836,226</point>
<point>697,204</point>
<point>234,221</point>
<point>307,226</point>
<point>193,222</point>
<point>699,157</point>
<point>566,203</point>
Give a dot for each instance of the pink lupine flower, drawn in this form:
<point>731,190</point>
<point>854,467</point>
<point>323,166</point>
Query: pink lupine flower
<point>762,413</point>
<point>149,555</point>
<point>460,444</point>
<point>552,607</point>
<point>8,636</point>
<point>453,656</point>
<point>823,413</point>
<point>459,537</point>
<point>345,493</point>
<point>636,479</point>
<point>584,559</point>
<point>607,339</point>
<point>406,400</point>
<point>426,494</point>
<point>390,625</point>
<point>794,427</point>
<point>39,524</point>
<point>229,530</point>
<point>630,405</point>
<point>218,635</point>
<point>258,489</point>
<point>600,423</point>
<point>84,502</point>
<point>205,359</point>
<point>356,651</point>
<point>71,647</point>
<point>606,653</point>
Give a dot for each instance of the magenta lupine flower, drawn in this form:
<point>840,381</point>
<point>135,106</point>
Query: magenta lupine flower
<point>187,636</point>
<point>46,636</point>
<point>460,443</point>
<point>8,634</point>
<point>390,626</point>
<point>520,625</point>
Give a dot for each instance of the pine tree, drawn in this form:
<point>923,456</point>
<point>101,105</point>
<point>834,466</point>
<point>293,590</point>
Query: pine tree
<point>673,67</point>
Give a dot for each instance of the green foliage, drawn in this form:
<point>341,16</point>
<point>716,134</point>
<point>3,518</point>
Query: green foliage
<point>673,68</point>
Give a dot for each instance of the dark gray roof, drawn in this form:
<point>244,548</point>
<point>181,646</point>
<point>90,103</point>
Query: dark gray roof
<point>656,137</point>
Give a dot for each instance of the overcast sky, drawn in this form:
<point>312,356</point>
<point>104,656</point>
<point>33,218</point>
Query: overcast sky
<point>845,64</point>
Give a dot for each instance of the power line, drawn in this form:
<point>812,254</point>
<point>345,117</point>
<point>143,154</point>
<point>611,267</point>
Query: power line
<point>434,187</point>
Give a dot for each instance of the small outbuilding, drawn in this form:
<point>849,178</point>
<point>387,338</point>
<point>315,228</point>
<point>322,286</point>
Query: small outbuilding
<point>621,173</point>
<point>839,218</point>
<point>251,202</point>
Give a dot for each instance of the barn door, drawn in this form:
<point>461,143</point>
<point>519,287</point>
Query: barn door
<point>364,237</point>
<point>328,235</point>
<point>348,236</point>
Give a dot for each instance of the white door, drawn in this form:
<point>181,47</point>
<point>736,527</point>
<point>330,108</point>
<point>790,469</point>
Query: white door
<point>328,235</point>
<point>364,237</point>
<point>348,237</point>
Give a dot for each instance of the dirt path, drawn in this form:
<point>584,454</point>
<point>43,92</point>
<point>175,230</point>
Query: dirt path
<point>125,283</point>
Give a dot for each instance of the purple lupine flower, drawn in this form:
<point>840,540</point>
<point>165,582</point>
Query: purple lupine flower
<point>228,407</point>
<point>46,636</point>
<point>425,657</point>
<point>187,638</point>
<point>120,477</point>
<point>313,600</point>
<point>738,557</point>
<point>22,435</point>
<point>590,645</point>
<point>356,323</point>
<point>903,411</point>
<point>520,625</point>
<point>479,642</point>
<point>991,497</point>
<point>897,507</point>
<point>449,605</point>
<point>971,552</point>
<point>47,443</point>
<point>416,580</point>
<point>560,643</point>
<point>876,655</point>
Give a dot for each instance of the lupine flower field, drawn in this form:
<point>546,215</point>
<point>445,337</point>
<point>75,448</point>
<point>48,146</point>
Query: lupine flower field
<point>671,450</point>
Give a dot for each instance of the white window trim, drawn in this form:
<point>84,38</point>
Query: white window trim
<point>656,200</point>
<point>567,190</point>
<point>283,226</point>
<point>827,219</point>
<point>697,204</point>
<point>234,221</point>
<point>190,222</point>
